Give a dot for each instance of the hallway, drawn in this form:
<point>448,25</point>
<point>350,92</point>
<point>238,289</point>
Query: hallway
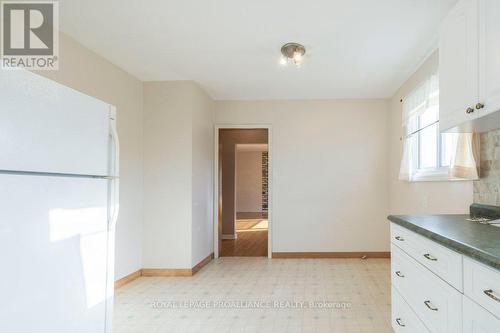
<point>243,185</point>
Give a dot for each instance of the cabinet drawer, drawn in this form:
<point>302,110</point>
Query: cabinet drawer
<point>478,320</point>
<point>437,304</point>
<point>403,272</point>
<point>482,284</point>
<point>445,263</point>
<point>404,320</point>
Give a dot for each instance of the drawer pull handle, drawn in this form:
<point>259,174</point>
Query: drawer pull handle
<point>398,273</point>
<point>399,322</point>
<point>431,258</point>
<point>429,305</point>
<point>399,238</point>
<point>490,294</point>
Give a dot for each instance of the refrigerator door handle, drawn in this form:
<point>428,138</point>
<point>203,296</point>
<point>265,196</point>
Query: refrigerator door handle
<point>115,167</point>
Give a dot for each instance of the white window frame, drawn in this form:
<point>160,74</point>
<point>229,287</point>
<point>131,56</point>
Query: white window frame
<point>439,173</point>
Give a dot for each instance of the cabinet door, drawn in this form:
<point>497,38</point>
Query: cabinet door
<point>489,56</point>
<point>478,320</point>
<point>482,284</point>
<point>458,64</point>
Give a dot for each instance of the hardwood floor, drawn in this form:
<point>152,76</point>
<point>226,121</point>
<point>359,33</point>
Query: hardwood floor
<point>251,241</point>
<point>250,215</point>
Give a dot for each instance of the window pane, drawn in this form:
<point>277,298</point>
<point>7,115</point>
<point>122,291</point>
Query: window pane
<point>448,147</point>
<point>428,147</point>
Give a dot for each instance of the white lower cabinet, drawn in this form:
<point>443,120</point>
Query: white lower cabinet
<point>436,303</point>
<point>404,320</point>
<point>482,285</point>
<point>477,319</point>
<point>429,298</point>
<point>440,260</point>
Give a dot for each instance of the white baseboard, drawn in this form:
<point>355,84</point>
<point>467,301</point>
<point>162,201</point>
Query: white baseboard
<point>229,236</point>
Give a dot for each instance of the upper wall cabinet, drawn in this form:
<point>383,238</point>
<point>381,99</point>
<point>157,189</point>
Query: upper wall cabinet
<point>469,67</point>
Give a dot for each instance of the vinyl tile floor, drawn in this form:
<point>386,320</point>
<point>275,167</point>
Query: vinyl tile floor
<point>245,294</point>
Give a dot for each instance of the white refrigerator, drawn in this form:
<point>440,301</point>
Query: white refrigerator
<point>58,207</point>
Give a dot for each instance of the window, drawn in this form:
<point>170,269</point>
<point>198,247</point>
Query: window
<point>433,152</point>
<point>429,153</point>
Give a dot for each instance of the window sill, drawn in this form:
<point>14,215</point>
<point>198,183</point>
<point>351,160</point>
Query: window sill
<point>435,175</point>
<point>437,179</point>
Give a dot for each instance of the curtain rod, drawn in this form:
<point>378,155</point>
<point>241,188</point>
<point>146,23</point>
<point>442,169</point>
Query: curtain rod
<point>420,129</point>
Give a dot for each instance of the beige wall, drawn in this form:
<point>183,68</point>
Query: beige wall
<point>178,118</point>
<point>330,165</point>
<point>420,197</point>
<point>329,171</point>
<point>228,139</point>
<point>85,71</point>
<point>248,181</point>
<point>202,174</point>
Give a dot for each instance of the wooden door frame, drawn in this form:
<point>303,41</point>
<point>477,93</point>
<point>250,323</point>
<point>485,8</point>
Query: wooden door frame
<point>218,127</point>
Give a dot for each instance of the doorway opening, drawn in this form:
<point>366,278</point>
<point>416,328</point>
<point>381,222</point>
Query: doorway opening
<point>243,192</point>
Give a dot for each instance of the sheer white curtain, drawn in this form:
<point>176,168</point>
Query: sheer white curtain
<point>408,161</point>
<point>420,112</point>
<point>465,163</point>
<point>423,99</point>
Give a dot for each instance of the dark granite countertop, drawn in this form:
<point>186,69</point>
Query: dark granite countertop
<point>478,241</point>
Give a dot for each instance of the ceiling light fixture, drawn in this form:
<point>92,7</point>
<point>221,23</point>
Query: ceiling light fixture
<point>292,53</point>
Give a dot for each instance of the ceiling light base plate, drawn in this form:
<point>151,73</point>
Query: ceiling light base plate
<point>290,49</point>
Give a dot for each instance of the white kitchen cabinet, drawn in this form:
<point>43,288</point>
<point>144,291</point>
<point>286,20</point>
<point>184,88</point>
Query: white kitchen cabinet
<point>458,65</point>
<point>478,320</point>
<point>469,67</point>
<point>489,56</point>
<point>437,304</point>
<point>440,260</point>
<point>427,295</point>
<point>404,320</point>
<point>482,284</point>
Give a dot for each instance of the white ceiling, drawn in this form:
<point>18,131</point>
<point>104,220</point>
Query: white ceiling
<point>355,48</point>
